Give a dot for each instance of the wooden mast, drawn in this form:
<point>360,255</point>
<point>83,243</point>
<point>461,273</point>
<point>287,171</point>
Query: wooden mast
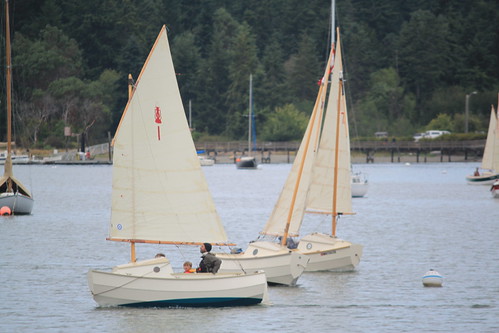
<point>336,158</point>
<point>319,105</point>
<point>8,162</point>
<point>133,257</point>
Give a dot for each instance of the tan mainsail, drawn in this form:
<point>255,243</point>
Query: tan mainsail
<point>330,188</point>
<point>490,160</point>
<point>159,192</point>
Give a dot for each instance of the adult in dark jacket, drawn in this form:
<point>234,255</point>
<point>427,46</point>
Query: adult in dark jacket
<point>210,263</point>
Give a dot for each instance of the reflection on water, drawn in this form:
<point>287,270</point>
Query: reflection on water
<point>414,218</point>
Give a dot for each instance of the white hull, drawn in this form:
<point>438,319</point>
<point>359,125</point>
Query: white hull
<point>19,204</point>
<point>206,161</point>
<point>486,178</point>
<point>153,283</point>
<point>16,159</point>
<point>328,253</point>
<point>280,264</point>
<point>359,186</point>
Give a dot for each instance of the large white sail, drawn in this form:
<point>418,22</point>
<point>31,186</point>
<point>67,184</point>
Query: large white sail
<point>159,190</point>
<point>290,206</point>
<point>330,193</point>
<point>490,158</point>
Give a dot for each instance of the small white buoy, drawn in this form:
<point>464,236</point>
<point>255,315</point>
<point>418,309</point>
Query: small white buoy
<point>444,172</point>
<point>432,279</point>
<point>407,163</point>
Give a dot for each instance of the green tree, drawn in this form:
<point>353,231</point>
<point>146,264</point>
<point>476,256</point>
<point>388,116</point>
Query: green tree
<point>243,62</point>
<point>214,76</point>
<point>303,71</point>
<point>424,51</point>
<point>285,124</point>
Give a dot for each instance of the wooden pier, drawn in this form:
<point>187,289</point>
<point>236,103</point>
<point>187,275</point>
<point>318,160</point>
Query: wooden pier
<point>446,149</point>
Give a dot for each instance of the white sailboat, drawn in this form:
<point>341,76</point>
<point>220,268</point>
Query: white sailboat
<point>249,162</point>
<point>319,181</point>
<point>329,190</point>
<point>490,159</point>
<point>360,184</point>
<point>12,193</point>
<point>160,196</point>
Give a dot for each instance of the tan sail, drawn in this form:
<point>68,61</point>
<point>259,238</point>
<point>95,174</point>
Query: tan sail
<point>159,190</point>
<point>490,159</point>
<point>330,188</point>
<point>287,216</point>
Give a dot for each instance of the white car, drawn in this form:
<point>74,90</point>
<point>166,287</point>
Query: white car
<point>432,134</point>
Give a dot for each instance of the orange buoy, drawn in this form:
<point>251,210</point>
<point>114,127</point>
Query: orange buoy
<point>5,210</point>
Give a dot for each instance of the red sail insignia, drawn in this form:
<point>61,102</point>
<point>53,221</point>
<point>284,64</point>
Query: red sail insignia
<point>157,119</point>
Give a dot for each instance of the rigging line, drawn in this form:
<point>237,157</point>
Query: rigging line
<point>133,280</point>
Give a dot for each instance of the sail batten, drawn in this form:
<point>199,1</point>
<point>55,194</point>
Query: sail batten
<point>157,198</point>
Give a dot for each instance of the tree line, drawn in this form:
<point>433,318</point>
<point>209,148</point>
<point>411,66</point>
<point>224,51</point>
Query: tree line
<point>408,64</point>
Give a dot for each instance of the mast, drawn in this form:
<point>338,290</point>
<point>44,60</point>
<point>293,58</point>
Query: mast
<point>336,158</point>
<point>317,112</point>
<point>332,22</point>
<point>250,112</point>
<point>8,162</point>
<point>133,257</point>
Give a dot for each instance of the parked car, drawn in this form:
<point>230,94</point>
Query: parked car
<point>432,134</point>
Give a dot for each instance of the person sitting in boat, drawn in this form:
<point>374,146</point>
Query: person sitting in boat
<point>188,267</point>
<point>477,173</point>
<point>210,263</point>
<point>290,243</point>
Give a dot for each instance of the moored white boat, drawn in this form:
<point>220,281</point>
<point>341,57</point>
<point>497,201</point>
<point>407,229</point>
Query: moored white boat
<point>205,161</point>
<point>432,279</point>
<point>16,159</point>
<point>360,185</point>
<point>249,162</point>
<point>160,196</point>
<point>246,162</point>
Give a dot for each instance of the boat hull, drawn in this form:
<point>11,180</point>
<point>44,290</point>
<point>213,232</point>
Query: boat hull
<point>487,178</point>
<point>154,285</point>
<point>18,203</point>
<point>246,162</point>
<point>328,253</point>
<point>280,264</point>
<point>359,187</point>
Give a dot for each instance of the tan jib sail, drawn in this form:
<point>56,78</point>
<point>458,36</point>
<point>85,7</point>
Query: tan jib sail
<point>290,206</point>
<point>330,189</point>
<point>490,159</point>
<point>159,190</point>
<point>324,151</point>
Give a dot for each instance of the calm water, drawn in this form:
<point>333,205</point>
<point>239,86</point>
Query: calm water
<point>415,217</point>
